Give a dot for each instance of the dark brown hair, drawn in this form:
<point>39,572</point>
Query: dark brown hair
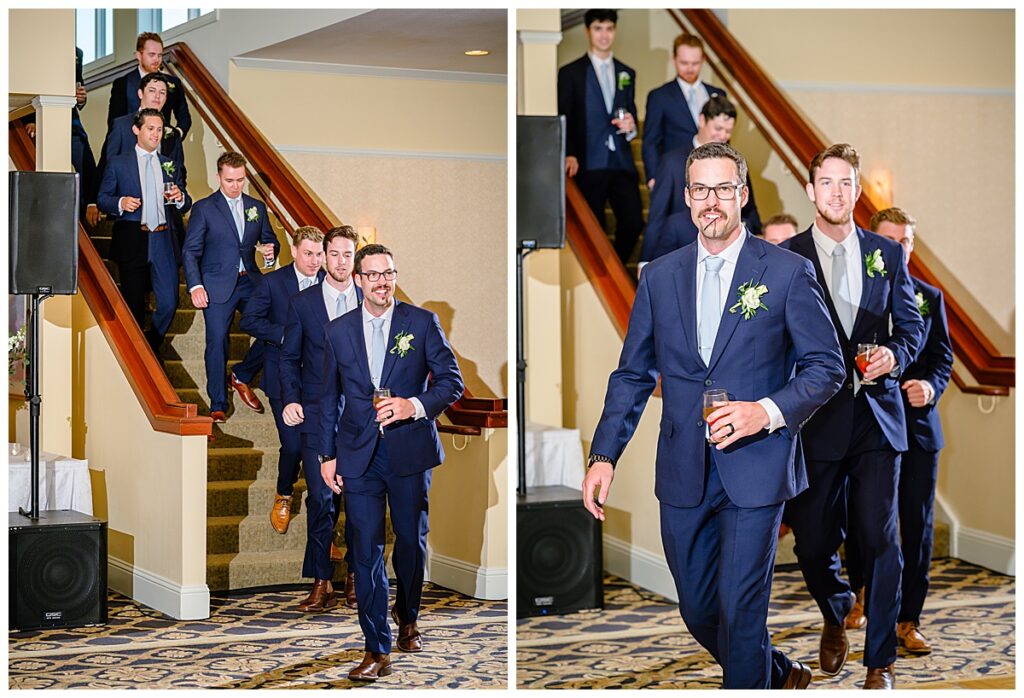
<point>714,151</point>
<point>842,151</point>
<point>231,159</point>
<point>367,251</point>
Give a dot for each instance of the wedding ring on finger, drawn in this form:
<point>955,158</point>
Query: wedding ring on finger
<point>732,430</point>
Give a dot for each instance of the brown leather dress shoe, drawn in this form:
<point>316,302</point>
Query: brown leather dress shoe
<point>218,416</point>
<point>321,598</point>
<point>336,554</point>
<point>911,639</point>
<point>833,650</point>
<point>373,666</point>
<point>799,676</point>
<point>350,590</point>
<point>409,638</point>
<point>857,620</point>
<point>884,678</point>
<point>281,513</point>
<point>247,395</point>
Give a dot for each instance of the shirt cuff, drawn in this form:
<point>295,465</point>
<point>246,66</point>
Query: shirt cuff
<point>631,135</point>
<point>120,211</point>
<point>420,412</point>
<point>931,392</point>
<point>776,420</point>
<point>180,203</point>
<point>194,288</point>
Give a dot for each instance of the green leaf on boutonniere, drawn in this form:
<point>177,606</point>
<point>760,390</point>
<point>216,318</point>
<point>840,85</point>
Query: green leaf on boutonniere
<point>749,299</point>
<point>874,264</point>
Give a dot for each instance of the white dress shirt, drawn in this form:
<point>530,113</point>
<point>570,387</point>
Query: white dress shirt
<point>729,256</point>
<point>331,300</point>
<point>386,328</point>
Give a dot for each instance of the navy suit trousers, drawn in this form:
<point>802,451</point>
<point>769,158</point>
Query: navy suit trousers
<point>218,318</point>
<point>365,501</point>
<point>619,188</point>
<point>289,459</point>
<point>322,510</point>
<point>722,557</point>
<point>158,271</point>
<point>919,473</point>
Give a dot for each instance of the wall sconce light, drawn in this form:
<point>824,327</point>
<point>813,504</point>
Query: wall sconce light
<point>367,235</point>
<point>881,183</point>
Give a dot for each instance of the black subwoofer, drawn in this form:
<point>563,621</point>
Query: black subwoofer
<point>558,554</point>
<point>58,571</point>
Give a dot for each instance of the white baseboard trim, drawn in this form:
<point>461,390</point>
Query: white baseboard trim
<point>641,567</point>
<point>183,602</point>
<point>489,583</point>
<point>988,550</point>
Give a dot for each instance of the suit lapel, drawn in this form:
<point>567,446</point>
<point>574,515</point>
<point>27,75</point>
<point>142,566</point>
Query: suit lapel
<point>359,345</point>
<point>749,269</point>
<point>399,323</point>
<point>682,108</point>
<point>222,205</point>
<point>871,286</point>
<point>686,292</point>
<point>316,301</point>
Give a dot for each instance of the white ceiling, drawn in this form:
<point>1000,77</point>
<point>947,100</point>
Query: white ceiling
<point>404,39</point>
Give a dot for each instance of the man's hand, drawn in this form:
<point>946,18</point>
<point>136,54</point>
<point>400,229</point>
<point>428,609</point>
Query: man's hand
<point>267,251</point>
<point>130,203</point>
<point>394,409</point>
<point>30,129</point>
<point>919,393</point>
<point>80,96</point>
<point>328,471</point>
<point>650,183</point>
<point>175,193</point>
<point>199,298</point>
<point>292,414</point>
<point>92,215</point>
<point>736,420</point>
<point>883,361</point>
<point>572,165</point>
<point>597,482</point>
<point>626,124</point>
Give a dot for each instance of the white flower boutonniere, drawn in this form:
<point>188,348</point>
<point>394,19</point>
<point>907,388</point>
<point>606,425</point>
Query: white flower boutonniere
<point>922,305</point>
<point>403,344</point>
<point>749,299</point>
<point>874,264</point>
<point>168,130</point>
<point>624,80</point>
<point>251,214</point>
<point>168,168</point>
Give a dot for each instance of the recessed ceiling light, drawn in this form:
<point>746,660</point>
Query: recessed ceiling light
<point>478,52</point>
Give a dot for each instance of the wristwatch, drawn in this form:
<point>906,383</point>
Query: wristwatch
<point>323,459</point>
<point>598,458</point>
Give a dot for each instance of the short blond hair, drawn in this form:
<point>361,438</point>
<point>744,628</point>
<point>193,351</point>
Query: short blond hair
<point>893,214</point>
<point>307,232</point>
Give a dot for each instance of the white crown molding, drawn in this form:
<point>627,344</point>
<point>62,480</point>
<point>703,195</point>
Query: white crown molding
<point>369,152</point>
<point>40,101</point>
<point>539,37</point>
<point>371,71</point>
<point>797,86</point>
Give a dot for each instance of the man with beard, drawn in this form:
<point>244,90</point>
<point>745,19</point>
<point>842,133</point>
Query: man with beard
<point>728,311</point>
<point>302,363</point>
<point>853,443</point>
<point>124,97</point>
<point>384,452</point>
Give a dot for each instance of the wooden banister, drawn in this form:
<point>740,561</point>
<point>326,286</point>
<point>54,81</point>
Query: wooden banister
<point>164,410</point>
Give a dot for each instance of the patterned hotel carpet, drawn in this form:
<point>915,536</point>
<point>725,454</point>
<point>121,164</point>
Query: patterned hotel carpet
<point>639,640</point>
<point>259,641</point>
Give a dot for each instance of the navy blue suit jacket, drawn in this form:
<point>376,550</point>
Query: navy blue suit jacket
<point>212,249</point>
<point>121,139</point>
<point>428,372</point>
<point>934,363</point>
<point>827,437</point>
<point>265,316</point>
<point>572,95</point>
<point>668,123</point>
<point>124,99</point>
<point>302,354</point>
<point>752,359</point>
<point>121,178</point>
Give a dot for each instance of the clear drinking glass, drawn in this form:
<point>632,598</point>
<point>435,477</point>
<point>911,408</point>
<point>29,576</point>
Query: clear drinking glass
<point>168,188</point>
<point>379,395</point>
<point>862,360</point>
<point>713,399</point>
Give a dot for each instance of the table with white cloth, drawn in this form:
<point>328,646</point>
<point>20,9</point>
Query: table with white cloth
<point>554,456</point>
<point>63,482</point>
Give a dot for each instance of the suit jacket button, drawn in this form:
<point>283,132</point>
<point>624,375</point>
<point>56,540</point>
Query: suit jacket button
<point>708,382</point>
<point>849,386</point>
<point>700,422</point>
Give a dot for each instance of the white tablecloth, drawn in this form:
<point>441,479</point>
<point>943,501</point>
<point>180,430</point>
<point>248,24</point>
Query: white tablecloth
<point>554,456</point>
<point>63,482</point>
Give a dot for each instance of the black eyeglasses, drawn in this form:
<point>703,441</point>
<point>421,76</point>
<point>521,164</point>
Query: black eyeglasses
<point>374,276</point>
<point>724,192</point>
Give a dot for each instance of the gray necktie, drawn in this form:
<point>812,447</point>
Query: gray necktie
<point>342,306</point>
<point>377,351</point>
<point>151,199</point>
<point>236,213</point>
<point>306,283</point>
<point>710,306</point>
<point>841,289</point>
<point>693,102</point>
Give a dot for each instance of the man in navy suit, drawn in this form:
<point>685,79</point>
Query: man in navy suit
<point>302,363</point>
<point>591,92</point>
<point>224,233</point>
<point>124,97</point>
<point>141,244</point>
<point>732,312</point>
<point>853,443</point>
<point>924,381</point>
<point>264,318</point>
<point>673,110</point>
<point>385,453</point>
<point>669,224</point>
<point>121,139</point>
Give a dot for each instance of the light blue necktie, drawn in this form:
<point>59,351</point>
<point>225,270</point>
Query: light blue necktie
<point>151,199</point>
<point>377,351</point>
<point>608,88</point>
<point>342,306</point>
<point>710,306</point>
<point>693,102</point>
<point>841,289</point>
<point>236,213</point>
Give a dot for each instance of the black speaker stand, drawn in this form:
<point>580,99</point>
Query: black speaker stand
<point>34,399</point>
<point>521,253</point>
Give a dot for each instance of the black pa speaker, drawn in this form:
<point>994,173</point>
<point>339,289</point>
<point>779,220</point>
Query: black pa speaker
<point>58,571</point>
<point>44,232</point>
<point>540,181</point>
<point>558,554</point>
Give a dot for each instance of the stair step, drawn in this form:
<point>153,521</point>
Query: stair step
<point>188,319</point>
<point>190,373</point>
<point>253,533</point>
<point>193,344</point>
<point>241,498</point>
<point>245,570</point>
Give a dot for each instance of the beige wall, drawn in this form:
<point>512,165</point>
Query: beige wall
<point>53,71</point>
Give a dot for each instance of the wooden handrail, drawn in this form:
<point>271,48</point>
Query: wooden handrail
<point>972,347</point>
<point>164,410</point>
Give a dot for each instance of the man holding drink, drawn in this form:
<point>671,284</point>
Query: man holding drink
<point>733,312</point>
<point>853,443</point>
